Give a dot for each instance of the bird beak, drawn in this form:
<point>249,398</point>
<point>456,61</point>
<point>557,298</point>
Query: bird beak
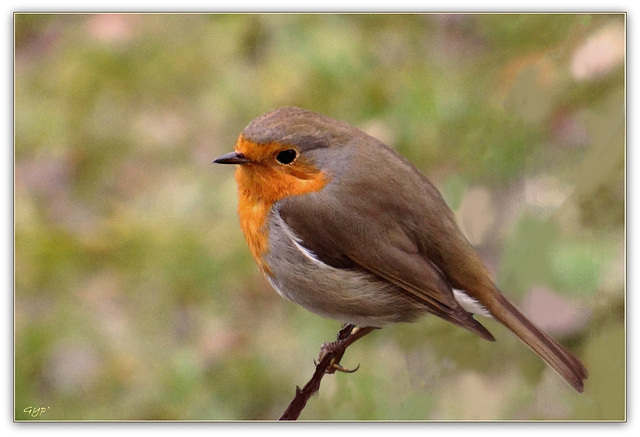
<point>232,158</point>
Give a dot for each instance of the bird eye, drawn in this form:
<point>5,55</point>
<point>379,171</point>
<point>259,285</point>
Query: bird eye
<point>286,156</point>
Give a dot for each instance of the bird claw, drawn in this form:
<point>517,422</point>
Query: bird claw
<point>334,365</point>
<point>335,350</point>
<point>337,367</point>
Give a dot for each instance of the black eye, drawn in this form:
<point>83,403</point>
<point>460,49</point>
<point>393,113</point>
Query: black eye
<point>286,156</point>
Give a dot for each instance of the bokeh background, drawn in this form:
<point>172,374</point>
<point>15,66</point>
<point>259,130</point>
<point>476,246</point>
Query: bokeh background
<point>136,297</point>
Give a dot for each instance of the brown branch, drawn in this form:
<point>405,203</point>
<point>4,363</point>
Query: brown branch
<point>328,362</point>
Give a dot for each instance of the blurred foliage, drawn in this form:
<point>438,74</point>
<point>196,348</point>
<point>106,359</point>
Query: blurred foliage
<point>135,296</point>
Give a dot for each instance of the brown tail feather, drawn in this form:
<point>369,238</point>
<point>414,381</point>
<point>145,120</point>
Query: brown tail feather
<point>563,361</point>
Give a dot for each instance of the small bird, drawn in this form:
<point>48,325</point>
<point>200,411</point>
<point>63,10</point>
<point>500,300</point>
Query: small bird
<point>346,227</point>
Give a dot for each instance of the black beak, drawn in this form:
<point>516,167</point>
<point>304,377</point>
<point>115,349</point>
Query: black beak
<point>232,158</point>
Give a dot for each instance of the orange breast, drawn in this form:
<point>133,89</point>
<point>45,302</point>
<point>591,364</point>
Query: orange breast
<point>264,182</point>
<point>253,216</point>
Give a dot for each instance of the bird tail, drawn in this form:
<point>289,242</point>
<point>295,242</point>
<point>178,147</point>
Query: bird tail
<point>563,361</point>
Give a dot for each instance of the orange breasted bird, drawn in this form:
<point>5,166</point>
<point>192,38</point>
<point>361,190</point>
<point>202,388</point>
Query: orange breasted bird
<point>346,227</point>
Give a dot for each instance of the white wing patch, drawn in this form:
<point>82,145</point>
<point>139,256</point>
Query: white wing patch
<point>298,243</point>
<point>306,252</point>
<point>470,304</point>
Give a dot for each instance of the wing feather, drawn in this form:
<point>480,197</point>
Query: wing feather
<point>381,248</point>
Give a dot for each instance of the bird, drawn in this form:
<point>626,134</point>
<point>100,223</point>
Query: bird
<point>346,227</point>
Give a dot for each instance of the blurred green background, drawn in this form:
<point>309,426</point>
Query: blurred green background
<point>136,297</point>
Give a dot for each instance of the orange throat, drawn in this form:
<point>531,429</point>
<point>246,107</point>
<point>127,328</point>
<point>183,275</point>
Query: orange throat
<point>260,185</point>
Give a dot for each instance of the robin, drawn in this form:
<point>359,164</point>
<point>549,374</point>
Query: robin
<point>346,227</point>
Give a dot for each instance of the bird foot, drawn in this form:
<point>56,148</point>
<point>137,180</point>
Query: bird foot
<point>336,349</point>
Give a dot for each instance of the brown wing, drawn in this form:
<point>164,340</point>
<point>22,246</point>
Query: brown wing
<point>377,245</point>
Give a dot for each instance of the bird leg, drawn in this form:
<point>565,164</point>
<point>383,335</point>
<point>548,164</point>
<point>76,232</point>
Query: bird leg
<point>347,335</point>
<point>328,362</point>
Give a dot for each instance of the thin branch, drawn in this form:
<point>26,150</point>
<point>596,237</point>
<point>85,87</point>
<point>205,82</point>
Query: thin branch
<point>329,362</point>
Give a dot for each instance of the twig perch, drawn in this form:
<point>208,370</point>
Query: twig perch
<point>328,362</point>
